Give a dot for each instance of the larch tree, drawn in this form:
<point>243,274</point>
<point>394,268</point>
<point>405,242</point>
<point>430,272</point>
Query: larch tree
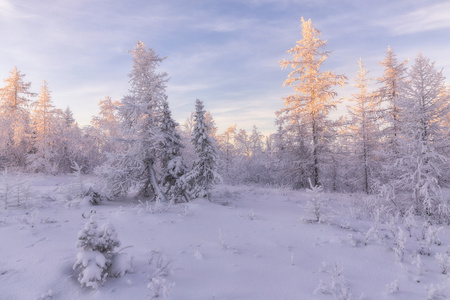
<point>107,122</point>
<point>44,134</point>
<point>389,94</point>
<point>140,116</point>
<point>363,133</point>
<point>68,141</point>
<point>314,96</point>
<point>15,131</point>
<point>227,152</point>
<point>204,172</point>
<point>424,105</point>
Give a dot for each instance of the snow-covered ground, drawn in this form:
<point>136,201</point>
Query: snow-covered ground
<point>249,243</point>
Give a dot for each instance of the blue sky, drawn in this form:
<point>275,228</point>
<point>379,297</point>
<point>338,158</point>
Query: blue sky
<point>225,53</point>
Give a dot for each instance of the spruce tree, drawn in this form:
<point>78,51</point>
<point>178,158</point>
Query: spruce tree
<point>203,174</point>
<point>172,164</point>
<point>140,115</point>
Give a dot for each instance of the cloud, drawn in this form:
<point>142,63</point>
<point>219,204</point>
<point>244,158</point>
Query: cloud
<point>430,18</point>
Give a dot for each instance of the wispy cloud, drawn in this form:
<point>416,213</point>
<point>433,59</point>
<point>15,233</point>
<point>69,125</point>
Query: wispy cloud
<point>427,18</point>
<point>224,52</point>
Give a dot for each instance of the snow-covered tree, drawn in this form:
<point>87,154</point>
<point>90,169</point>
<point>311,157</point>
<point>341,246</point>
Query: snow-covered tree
<point>313,99</point>
<point>227,152</point>
<point>68,141</point>
<point>363,134</point>
<point>259,159</point>
<point>292,164</point>
<point>211,125</point>
<point>44,134</point>
<point>424,105</point>
<point>15,131</point>
<point>172,164</point>
<point>203,174</point>
<point>108,124</point>
<point>96,253</point>
<point>389,94</point>
<point>140,115</point>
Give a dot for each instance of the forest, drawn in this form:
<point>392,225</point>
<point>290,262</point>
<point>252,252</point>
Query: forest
<point>390,152</point>
<point>394,140</point>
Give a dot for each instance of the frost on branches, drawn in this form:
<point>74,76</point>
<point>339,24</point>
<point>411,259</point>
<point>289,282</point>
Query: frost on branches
<point>149,141</point>
<point>424,105</point>
<point>97,259</point>
<point>172,164</point>
<point>15,120</point>
<point>305,116</point>
<point>203,174</point>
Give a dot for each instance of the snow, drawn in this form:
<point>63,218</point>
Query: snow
<point>248,243</point>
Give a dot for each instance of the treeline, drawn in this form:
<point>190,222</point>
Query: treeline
<point>394,141</point>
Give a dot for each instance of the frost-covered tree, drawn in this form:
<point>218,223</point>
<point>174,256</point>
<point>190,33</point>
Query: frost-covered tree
<point>15,131</point>
<point>227,152</point>
<point>363,134</point>
<point>292,164</point>
<point>44,137</point>
<point>314,98</point>
<point>68,145</point>
<point>172,164</point>
<point>258,161</point>
<point>108,124</point>
<point>203,174</point>
<point>140,116</point>
<point>96,253</point>
<point>389,94</point>
<point>424,105</point>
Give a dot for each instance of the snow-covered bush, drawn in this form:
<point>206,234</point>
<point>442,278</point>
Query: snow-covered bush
<point>14,190</point>
<point>409,221</point>
<point>444,261</point>
<point>160,287</point>
<point>392,288</point>
<point>317,203</point>
<point>97,256</point>
<point>435,292</point>
<point>429,237</point>
<point>399,241</point>
<point>75,188</point>
<point>92,196</point>
<point>158,283</point>
<point>153,208</point>
<point>29,218</point>
<point>417,261</point>
<point>337,285</point>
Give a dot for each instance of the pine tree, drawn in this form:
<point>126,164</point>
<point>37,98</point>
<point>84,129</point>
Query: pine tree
<point>203,174</point>
<point>314,96</point>
<point>15,131</point>
<point>140,115</point>
<point>363,133</point>
<point>44,133</point>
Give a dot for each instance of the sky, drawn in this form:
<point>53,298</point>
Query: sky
<point>225,53</point>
